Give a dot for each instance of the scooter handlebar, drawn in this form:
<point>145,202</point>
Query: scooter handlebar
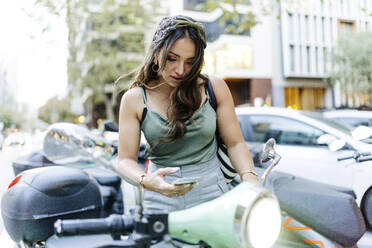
<point>345,158</point>
<point>365,158</point>
<point>113,224</point>
<point>356,156</point>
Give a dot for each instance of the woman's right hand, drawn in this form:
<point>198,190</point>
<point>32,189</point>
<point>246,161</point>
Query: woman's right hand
<point>156,182</point>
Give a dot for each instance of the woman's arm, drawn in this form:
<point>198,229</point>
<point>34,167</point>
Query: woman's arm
<point>130,115</point>
<point>229,129</point>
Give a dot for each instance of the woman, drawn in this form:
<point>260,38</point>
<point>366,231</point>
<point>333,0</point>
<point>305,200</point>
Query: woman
<point>169,103</point>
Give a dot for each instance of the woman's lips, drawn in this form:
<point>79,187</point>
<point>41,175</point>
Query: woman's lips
<point>176,78</point>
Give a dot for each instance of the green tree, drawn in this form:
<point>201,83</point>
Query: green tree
<point>106,40</point>
<point>352,63</point>
<point>56,110</point>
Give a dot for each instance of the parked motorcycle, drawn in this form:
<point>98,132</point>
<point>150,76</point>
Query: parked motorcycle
<point>247,216</point>
<point>110,184</point>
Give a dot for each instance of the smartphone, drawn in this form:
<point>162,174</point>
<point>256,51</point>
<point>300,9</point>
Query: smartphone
<point>186,180</point>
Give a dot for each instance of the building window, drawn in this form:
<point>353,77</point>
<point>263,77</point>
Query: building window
<point>299,27</point>
<point>345,27</point>
<point>307,31</point>
<point>325,60</point>
<point>315,29</point>
<point>292,58</point>
<point>316,60</point>
<point>323,29</point>
<point>300,58</point>
<point>290,27</point>
<point>308,59</point>
<point>304,98</point>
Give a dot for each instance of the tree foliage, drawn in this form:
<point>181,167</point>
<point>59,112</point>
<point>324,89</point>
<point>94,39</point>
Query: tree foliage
<point>56,110</point>
<point>106,40</point>
<point>352,60</point>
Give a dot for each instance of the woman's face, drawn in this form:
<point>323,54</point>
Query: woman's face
<point>179,61</point>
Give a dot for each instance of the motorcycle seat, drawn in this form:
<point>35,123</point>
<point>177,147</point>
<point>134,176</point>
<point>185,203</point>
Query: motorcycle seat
<point>104,176</point>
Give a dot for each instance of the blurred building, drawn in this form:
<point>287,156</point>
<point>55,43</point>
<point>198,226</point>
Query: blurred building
<point>309,30</point>
<point>281,61</point>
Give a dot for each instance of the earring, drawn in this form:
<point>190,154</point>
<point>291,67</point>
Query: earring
<point>155,67</point>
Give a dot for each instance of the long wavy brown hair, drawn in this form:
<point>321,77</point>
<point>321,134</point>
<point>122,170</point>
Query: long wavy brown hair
<point>186,97</point>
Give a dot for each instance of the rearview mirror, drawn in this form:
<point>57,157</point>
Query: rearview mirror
<point>336,145</point>
<point>361,133</point>
<point>325,139</point>
<point>67,142</point>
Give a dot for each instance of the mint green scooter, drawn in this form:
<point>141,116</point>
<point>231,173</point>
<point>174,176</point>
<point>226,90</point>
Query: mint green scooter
<point>246,216</point>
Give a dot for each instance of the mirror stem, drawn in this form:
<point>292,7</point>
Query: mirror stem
<point>268,170</point>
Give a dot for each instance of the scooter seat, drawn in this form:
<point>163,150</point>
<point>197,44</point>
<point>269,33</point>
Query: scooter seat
<point>104,176</point>
<point>329,210</point>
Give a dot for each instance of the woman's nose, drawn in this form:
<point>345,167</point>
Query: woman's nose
<point>180,69</point>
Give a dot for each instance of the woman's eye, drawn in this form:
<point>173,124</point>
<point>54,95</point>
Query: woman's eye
<point>190,62</point>
<point>171,59</point>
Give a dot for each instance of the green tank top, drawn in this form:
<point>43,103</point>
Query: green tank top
<point>197,146</point>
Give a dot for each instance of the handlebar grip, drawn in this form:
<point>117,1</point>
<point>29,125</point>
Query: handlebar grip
<point>345,158</point>
<point>365,158</point>
<point>356,156</point>
<point>113,224</point>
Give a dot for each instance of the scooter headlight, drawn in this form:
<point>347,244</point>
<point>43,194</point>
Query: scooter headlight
<point>258,220</point>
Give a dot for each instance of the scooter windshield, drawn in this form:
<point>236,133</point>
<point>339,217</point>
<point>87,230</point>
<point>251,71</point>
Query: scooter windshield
<point>68,143</point>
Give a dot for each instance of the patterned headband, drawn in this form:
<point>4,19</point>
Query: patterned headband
<point>169,24</point>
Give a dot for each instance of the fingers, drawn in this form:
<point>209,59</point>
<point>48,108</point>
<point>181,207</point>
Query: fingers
<point>168,189</point>
<point>167,170</point>
<point>180,190</point>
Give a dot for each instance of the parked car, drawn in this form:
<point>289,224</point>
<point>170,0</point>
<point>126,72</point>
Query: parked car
<point>350,117</point>
<point>302,140</point>
<point>15,139</point>
<point>18,141</point>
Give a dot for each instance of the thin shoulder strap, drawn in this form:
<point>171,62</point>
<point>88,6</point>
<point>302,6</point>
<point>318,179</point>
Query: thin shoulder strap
<point>212,97</point>
<point>144,112</point>
<point>144,94</point>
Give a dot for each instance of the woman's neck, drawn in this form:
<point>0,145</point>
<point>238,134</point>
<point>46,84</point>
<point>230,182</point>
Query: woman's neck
<point>163,86</point>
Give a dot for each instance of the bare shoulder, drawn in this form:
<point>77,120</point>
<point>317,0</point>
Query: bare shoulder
<point>132,101</point>
<point>220,87</point>
<point>216,81</point>
<point>132,96</point>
